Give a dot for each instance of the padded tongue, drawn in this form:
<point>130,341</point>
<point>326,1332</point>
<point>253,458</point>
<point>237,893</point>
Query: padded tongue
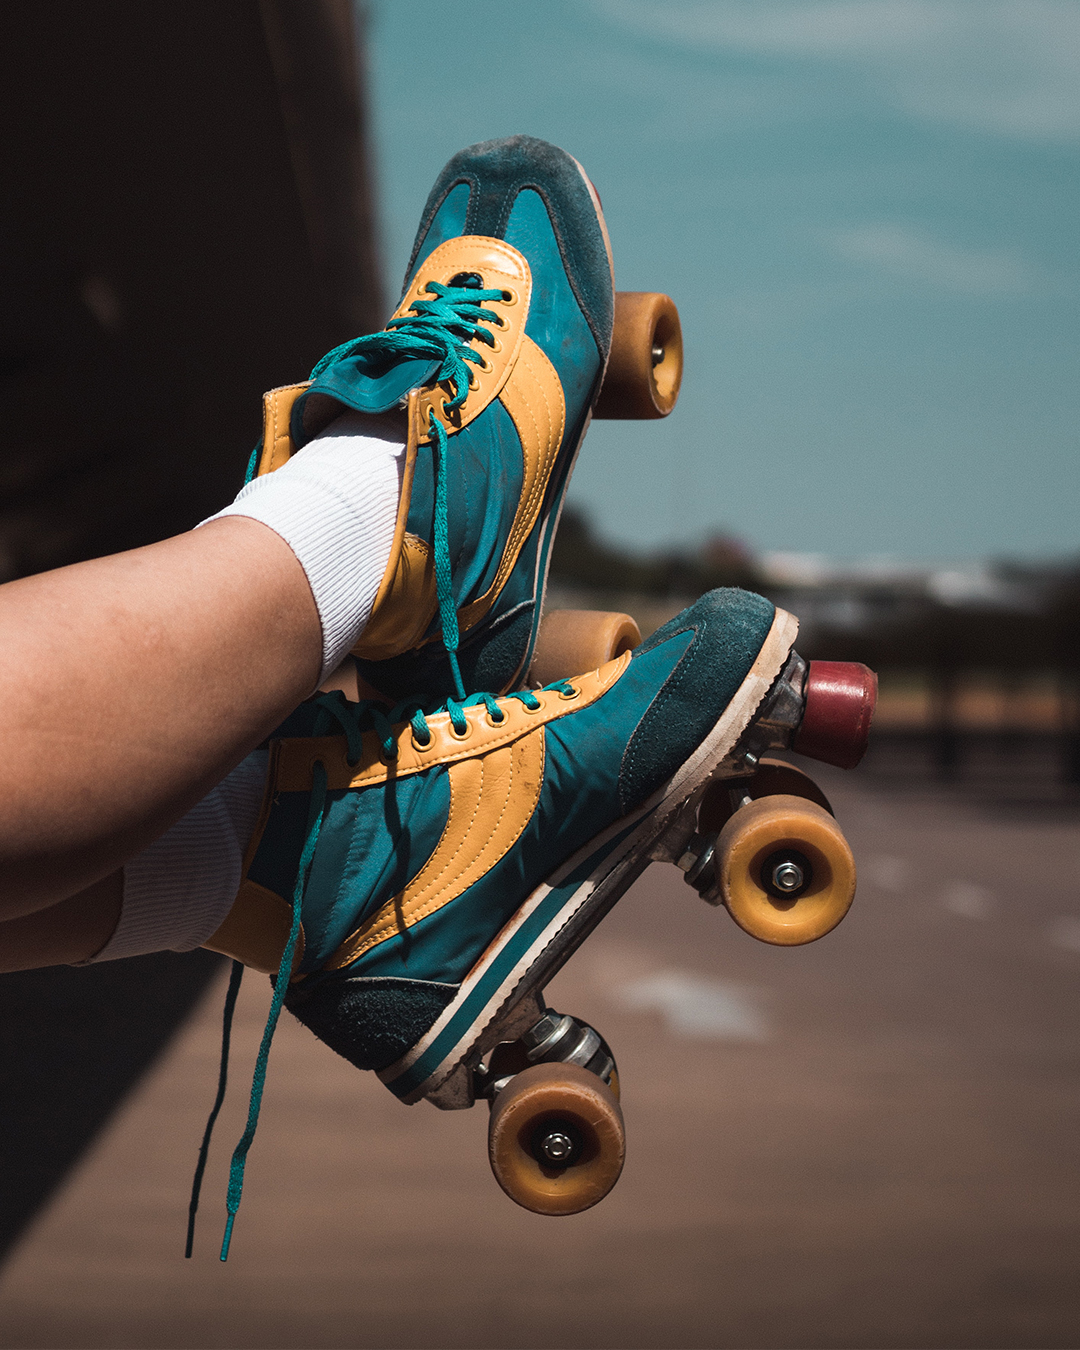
<point>365,382</point>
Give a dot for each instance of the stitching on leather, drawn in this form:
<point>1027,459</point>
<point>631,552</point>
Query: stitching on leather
<point>514,770</point>
<point>546,715</point>
<point>448,862</point>
<point>548,445</point>
<point>480,861</point>
<point>396,904</point>
<point>548,456</point>
<point>555,711</point>
<point>350,951</point>
<point>383,928</point>
<point>455,257</point>
<point>431,904</point>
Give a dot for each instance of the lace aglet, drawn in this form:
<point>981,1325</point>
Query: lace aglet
<point>226,1241</point>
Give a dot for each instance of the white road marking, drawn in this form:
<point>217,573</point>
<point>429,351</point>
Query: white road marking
<point>1065,933</point>
<point>969,900</point>
<point>886,872</point>
<point>695,1006</point>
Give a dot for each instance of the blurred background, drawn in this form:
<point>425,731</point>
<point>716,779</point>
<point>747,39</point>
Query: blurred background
<point>866,212</point>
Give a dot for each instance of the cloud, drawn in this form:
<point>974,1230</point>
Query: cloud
<point>1005,66</point>
<point>919,256</point>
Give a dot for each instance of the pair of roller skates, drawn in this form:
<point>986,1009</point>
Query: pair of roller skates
<point>420,872</point>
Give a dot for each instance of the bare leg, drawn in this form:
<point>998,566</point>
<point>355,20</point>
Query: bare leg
<point>130,685</point>
<point>63,934</point>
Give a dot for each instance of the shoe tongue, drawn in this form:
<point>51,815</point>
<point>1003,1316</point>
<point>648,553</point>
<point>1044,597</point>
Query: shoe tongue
<point>367,383</point>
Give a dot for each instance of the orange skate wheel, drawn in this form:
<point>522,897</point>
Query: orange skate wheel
<point>555,1139</point>
<point>572,641</point>
<point>645,367</point>
<point>772,776</point>
<point>786,873</point>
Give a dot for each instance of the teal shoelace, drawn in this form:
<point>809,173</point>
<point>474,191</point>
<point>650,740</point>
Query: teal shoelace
<point>353,720</point>
<point>436,330</point>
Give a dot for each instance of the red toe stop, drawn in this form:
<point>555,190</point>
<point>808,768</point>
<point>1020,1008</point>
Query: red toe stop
<point>840,699</point>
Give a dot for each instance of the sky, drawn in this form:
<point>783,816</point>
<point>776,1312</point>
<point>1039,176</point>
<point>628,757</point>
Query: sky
<point>868,213</point>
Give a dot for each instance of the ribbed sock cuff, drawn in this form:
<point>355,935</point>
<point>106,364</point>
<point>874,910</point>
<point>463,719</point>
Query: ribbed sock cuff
<point>335,504</point>
<point>178,891</point>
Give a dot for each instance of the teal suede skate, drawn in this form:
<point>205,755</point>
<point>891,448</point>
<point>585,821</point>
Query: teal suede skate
<point>494,357</point>
<point>422,875</point>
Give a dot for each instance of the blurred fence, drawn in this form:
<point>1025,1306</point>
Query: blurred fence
<point>965,687</point>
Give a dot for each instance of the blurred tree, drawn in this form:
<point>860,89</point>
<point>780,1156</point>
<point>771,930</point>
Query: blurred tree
<point>581,558</point>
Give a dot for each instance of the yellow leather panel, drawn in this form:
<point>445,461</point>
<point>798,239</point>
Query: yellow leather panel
<point>533,396</point>
<point>405,602</point>
<point>406,608</point>
<point>277,444</point>
<point>406,599</point>
<point>256,929</point>
<point>294,759</point>
<point>492,799</point>
<point>502,268</point>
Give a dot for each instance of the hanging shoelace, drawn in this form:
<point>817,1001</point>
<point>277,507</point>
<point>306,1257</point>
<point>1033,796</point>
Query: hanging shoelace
<point>436,330</point>
<point>352,719</point>
<point>236,974</point>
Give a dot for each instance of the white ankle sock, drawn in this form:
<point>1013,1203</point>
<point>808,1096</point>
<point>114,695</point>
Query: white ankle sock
<point>178,891</point>
<point>335,504</point>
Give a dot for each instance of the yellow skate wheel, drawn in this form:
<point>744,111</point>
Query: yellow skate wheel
<point>572,641</point>
<point>786,873</point>
<point>645,366</point>
<point>771,777</point>
<point>555,1139</point>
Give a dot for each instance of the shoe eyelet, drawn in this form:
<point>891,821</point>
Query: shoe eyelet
<point>421,746</point>
<point>539,706</point>
<point>493,722</point>
<point>486,366</point>
<point>474,383</point>
<point>455,733</point>
<point>509,297</point>
<point>496,346</point>
<point>574,693</point>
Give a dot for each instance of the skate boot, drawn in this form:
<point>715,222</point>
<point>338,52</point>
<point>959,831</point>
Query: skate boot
<point>495,359</point>
<point>423,875</point>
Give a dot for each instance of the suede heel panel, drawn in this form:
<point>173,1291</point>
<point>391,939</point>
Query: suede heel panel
<point>729,628</point>
<point>370,1023</point>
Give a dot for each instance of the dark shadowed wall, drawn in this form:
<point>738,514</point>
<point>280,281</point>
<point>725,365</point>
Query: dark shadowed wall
<point>185,221</point>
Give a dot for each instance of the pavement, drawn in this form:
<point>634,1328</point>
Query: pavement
<point>873,1141</point>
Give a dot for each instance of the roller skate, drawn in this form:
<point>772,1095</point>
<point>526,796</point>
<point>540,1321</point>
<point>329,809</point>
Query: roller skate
<point>508,338</point>
<point>418,877</point>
